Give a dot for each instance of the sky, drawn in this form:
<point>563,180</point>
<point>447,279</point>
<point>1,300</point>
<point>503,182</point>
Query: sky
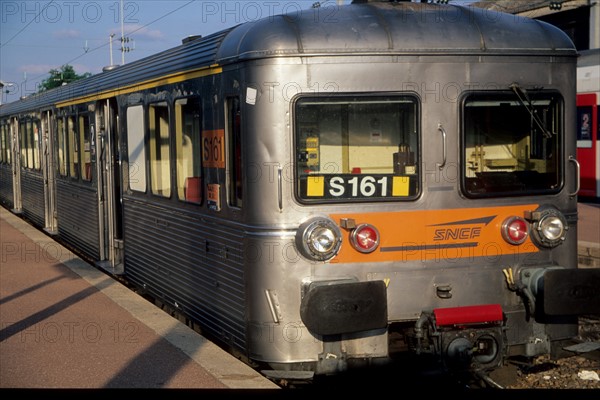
<point>37,36</point>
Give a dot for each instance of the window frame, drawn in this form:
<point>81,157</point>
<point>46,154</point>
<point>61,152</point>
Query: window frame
<point>139,163</point>
<point>61,146</point>
<point>6,144</point>
<point>30,142</point>
<point>234,152</point>
<point>197,170</point>
<point>510,96</point>
<point>414,186</point>
<point>84,131</point>
<point>156,125</point>
<point>72,146</point>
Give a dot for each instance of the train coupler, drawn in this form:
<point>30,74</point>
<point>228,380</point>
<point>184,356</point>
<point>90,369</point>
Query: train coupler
<point>462,338</point>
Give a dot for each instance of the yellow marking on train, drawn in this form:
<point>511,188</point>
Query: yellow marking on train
<point>387,282</point>
<point>315,186</point>
<point>136,87</point>
<point>400,186</point>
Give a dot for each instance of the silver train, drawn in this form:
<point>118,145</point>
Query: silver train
<point>318,189</point>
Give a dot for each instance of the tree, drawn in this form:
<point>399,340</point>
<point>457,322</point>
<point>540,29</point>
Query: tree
<point>62,76</point>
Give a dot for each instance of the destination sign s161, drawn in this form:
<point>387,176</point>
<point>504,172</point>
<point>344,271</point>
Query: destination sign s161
<point>357,186</point>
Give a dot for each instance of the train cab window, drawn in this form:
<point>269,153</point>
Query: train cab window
<point>234,152</point>
<point>61,147</point>
<point>511,143</point>
<point>356,148</point>
<point>188,143</point>
<point>160,168</point>
<point>135,148</point>
<point>84,145</point>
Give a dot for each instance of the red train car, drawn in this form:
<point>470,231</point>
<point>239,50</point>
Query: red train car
<point>588,144</point>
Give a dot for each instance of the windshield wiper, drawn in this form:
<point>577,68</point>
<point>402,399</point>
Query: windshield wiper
<point>524,99</point>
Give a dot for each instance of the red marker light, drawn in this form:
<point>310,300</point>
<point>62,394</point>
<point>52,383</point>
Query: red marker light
<point>365,238</point>
<point>515,230</point>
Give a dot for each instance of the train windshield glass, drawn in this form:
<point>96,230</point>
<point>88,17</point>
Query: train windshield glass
<point>512,143</point>
<point>356,148</point>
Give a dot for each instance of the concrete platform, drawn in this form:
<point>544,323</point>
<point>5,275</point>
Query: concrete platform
<point>64,324</point>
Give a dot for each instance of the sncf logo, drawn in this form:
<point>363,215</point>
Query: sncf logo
<point>456,233</point>
<point>460,230</point>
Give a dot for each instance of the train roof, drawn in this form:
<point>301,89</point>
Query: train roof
<point>375,28</point>
<point>370,28</point>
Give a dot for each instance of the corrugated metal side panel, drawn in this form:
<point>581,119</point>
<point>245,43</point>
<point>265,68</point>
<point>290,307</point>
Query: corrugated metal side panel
<point>32,189</point>
<point>77,209</point>
<point>189,262</point>
<point>6,186</point>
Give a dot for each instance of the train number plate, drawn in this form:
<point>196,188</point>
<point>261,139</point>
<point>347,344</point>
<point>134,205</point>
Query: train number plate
<point>356,186</point>
<point>213,148</point>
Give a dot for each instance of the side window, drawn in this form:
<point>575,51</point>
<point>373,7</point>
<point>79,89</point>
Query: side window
<point>9,142</point>
<point>35,143</point>
<point>234,152</point>
<point>24,139</point>
<point>135,148</point>
<point>61,136</point>
<point>84,145</point>
<point>5,154</point>
<point>188,143</point>
<point>73,148</point>
<point>30,143</point>
<point>160,169</point>
<point>2,143</point>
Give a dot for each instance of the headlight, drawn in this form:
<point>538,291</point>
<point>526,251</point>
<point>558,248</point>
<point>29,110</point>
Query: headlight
<point>549,227</point>
<point>319,239</point>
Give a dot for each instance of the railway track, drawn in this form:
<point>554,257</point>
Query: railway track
<point>581,370</point>
<point>575,371</point>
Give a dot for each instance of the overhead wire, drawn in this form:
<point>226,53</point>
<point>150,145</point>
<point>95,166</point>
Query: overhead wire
<point>102,45</point>
<point>25,27</point>
<point>136,30</point>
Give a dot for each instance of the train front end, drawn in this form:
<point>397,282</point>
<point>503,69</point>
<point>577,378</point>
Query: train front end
<point>422,190</point>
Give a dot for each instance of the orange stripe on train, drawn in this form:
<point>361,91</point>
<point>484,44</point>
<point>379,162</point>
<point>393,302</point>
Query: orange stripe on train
<point>436,235</point>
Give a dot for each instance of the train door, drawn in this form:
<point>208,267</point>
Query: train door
<point>16,166</point>
<point>588,148</point>
<point>109,187</point>
<point>48,169</point>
